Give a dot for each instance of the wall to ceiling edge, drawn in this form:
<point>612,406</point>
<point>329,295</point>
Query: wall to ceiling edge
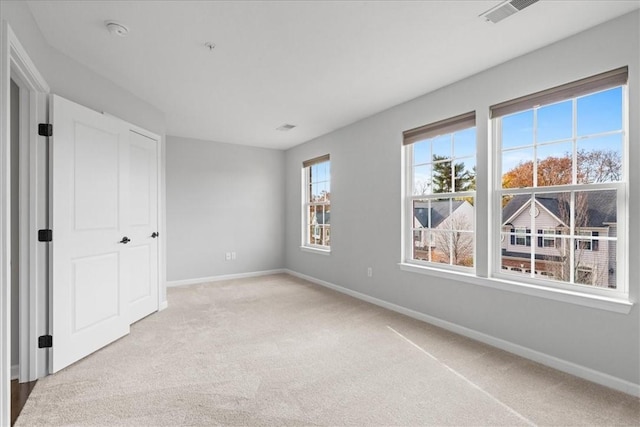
<point>366,212</point>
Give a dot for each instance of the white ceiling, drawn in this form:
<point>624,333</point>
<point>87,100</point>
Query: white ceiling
<point>320,65</point>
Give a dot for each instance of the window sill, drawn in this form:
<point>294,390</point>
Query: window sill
<point>617,305</point>
<point>313,250</point>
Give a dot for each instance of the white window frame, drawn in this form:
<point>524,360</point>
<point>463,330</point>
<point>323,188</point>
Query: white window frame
<point>306,245</point>
<point>621,187</point>
<point>489,267</point>
<point>409,230</point>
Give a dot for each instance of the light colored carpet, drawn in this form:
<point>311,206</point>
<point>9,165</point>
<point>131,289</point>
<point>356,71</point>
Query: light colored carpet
<point>277,350</point>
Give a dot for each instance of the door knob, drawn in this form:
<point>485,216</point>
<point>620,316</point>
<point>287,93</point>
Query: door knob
<point>125,240</point>
<point>155,234</point>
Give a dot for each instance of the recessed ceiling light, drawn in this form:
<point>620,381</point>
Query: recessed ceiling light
<point>116,28</point>
<point>285,127</point>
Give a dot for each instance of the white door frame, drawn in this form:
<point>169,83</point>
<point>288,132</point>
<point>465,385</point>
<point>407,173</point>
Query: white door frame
<point>15,62</point>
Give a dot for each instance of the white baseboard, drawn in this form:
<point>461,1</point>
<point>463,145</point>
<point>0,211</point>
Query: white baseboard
<point>15,372</point>
<point>542,358</point>
<point>200,280</point>
<point>163,305</point>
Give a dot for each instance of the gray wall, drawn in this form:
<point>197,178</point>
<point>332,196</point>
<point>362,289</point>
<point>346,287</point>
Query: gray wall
<point>223,198</point>
<point>15,232</point>
<point>366,204</point>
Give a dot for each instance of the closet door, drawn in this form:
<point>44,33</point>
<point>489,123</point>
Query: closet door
<point>89,200</point>
<point>141,254</point>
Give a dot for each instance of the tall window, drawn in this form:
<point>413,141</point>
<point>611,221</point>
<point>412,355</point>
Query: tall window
<point>563,183</point>
<point>440,185</point>
<point>317,203</point>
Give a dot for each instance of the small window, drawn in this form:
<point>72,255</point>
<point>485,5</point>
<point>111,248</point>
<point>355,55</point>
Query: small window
<point>317,203</point>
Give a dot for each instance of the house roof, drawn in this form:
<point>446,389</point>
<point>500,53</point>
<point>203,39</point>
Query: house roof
<point>600,206</point>
<point>439,211</point>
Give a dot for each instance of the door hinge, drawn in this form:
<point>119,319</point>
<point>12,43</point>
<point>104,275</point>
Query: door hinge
<point>45,129</point>
<point>45,341</point>
<point>45,235</point>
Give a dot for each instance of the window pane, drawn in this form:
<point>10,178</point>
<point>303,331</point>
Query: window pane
<point>517,168</point>
<point>319,190</point>
<point>465,175</point>
<point>442,179</point>
<point>326,219</point>
<point>441,147</point>
<point>461,248</point>
<point>421,214</point>
<point>421,180</point>
<point>600,159</point>
<point>552,211</point>
<point>600,112</point>
<point>555,122</point>
<point>464,143</point>
<point>421,245</point>
<point>463,214</point>
<point>421,152</point>
<point>554,266</point>
<point>555,164</point>
<point>597,270</point>
<point>441,249</point>
<point>517,129</point>
<point>595,209</point>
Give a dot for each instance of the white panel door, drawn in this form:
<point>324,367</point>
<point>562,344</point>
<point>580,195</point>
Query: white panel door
<point>141,254</point>
<point>89,301</point>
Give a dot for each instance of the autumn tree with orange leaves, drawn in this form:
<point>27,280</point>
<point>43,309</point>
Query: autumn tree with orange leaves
<point>593,166</point>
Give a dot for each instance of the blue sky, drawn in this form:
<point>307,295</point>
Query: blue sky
<point>596,113</point>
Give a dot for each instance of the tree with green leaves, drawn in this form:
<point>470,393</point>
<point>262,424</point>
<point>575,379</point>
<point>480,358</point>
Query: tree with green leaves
<point>464,180</point>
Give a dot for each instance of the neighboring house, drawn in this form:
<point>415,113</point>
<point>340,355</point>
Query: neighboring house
<point>595,218</point>
<point>446,236</point>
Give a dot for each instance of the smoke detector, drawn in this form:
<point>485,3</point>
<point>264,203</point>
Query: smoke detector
<point>116,28</point>
<point>506,9</point>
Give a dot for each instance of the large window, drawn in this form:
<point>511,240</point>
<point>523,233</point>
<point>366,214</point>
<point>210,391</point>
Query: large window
<point>317,203</point>
<point>440,197</point>
<point>563,184</point>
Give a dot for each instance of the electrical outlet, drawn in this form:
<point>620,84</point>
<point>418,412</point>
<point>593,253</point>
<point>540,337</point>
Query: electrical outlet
<point>233,256</point>
<point>369,272</point>
<point>227,256</point>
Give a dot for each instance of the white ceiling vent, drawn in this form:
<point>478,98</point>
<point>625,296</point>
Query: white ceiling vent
<point>285,127</point>
<point>506,9</point>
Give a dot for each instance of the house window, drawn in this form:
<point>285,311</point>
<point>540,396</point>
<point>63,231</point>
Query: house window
<point>561,154</point>
<point>584,242</point>
<point>316,210</point>
<point>440,193</point>
<point>521,236</point>
<point>549,238</point>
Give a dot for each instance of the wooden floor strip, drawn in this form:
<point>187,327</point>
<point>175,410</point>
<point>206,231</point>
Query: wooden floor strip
<point>19,395</point>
